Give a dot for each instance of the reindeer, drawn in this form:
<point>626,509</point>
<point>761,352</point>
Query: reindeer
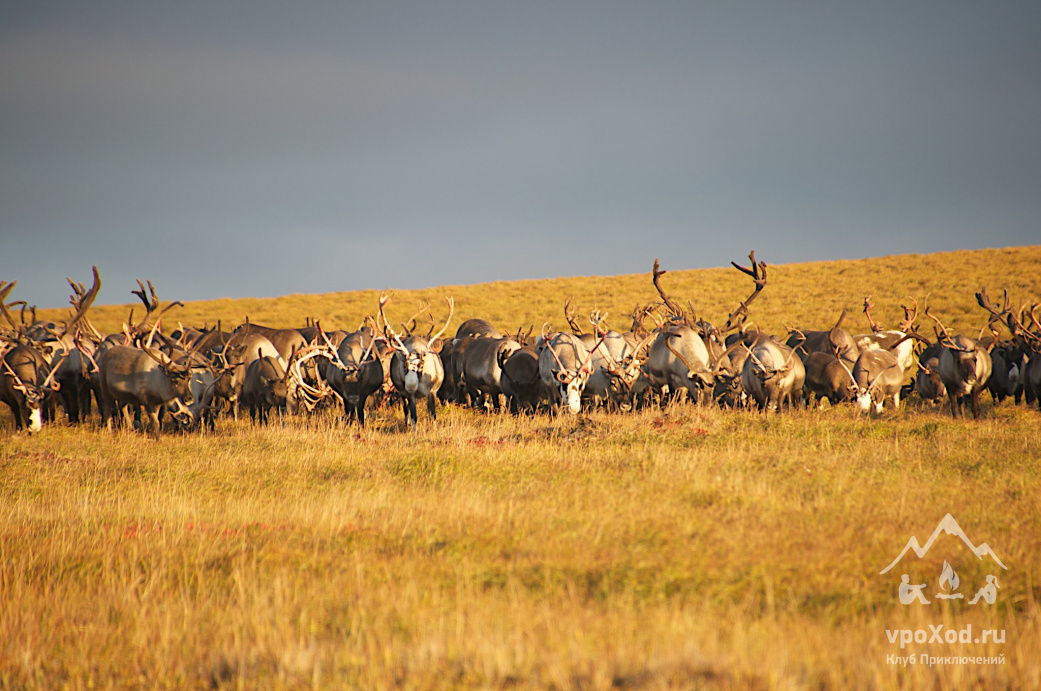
<point>828,378</point>
<point>202,389</point>
<point>416,369</point>
<point>773,375</point>
<point>28,368</point>
<point>1005,375</point>
<point>616,358</point>
<point>679,361</point>
<point>964,367</point>
<point>564,368</point>
<point>24,385</point>
<point>238,354</point>
<point>356,372</point>
<point>520,379</point>
<point>887,339</point>
<point>1027,351</point>
<point>77,340</point>
<point>879,375</point>
<point>285,341</point>
<point>452,355</point>
<point>480,368</point>
<point>616,366</point>
<point>928,384</point>
<point>147,377</point>
<point>477,328</point>
<point>264,387</point>
<point>836,341</point>
<point>728,391</point>
<point>687,352</point>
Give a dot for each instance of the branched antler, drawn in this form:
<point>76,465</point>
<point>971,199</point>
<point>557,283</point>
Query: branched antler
<point>569,315</point>
<point>941,331</point>
<point>996,315</point>
<point>758,274</point>
<point>410,324</point>
<point>675,311</point>
<point>5,290</point>
<point>598,321</point>
<point>151,303</point>
<point>875,328</point>
<point>26,307</point>
<point>81,301</point>
<point>907,324</point>
<point>522,337</point>
<point>1016,326</point>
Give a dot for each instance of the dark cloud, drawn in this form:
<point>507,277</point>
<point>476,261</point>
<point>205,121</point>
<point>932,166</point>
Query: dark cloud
<point>236,149</point>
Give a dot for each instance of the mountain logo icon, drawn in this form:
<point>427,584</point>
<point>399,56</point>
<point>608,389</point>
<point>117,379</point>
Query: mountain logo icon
<point>949,526</point>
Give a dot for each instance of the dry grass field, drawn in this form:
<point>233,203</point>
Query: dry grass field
<point>679,548</point>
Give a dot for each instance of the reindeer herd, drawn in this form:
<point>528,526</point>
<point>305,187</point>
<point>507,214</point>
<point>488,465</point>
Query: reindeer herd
<point>141,374</point>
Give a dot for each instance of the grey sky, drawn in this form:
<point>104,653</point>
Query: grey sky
<point>256,149</point>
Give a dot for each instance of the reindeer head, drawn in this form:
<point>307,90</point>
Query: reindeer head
<point>414,350</point>
<point>571,382</point>
<point>33,394</point>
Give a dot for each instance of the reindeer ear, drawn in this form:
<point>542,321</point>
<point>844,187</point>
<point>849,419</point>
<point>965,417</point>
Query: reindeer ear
<point>436,345</point>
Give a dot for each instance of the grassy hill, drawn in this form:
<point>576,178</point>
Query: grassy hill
<point>808,295</point>
<point>690,547</point>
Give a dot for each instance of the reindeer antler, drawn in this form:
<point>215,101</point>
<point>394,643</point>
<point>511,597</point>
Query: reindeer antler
<point>995,314</point>
<point>26,307</point>
<point>81,301</point>
<point>676,311</point>
<point>909,316</point>
<point>1033,317</point>
<point>875,328</point>
<point>1016,326</point>
<point>424,307</point>
<point>522,337</point>
<point>638,315</point>
<point>941,331</point>
<point>5,290</point>
<point>451,311</point>
<point>151,305</point>
<point>596,319</point>
<point>386,329</point>
<point>758,274</point>
<point>570,317</point>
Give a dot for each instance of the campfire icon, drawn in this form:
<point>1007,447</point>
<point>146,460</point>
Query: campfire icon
<point>949,582</point>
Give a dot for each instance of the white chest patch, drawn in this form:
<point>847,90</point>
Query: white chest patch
<point>35,420</point>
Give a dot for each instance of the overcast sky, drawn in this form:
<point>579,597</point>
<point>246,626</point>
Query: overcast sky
<point>231,149</point>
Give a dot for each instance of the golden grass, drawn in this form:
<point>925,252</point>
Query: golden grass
<point>677,549</point>
<point>686,548</point>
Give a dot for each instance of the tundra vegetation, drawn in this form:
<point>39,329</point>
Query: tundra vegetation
<point>676,547</point>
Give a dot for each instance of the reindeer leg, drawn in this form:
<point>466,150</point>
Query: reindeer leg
<point>152,413</point>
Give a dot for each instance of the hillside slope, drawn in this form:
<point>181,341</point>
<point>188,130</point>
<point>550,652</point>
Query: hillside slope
<point>808,295</point>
